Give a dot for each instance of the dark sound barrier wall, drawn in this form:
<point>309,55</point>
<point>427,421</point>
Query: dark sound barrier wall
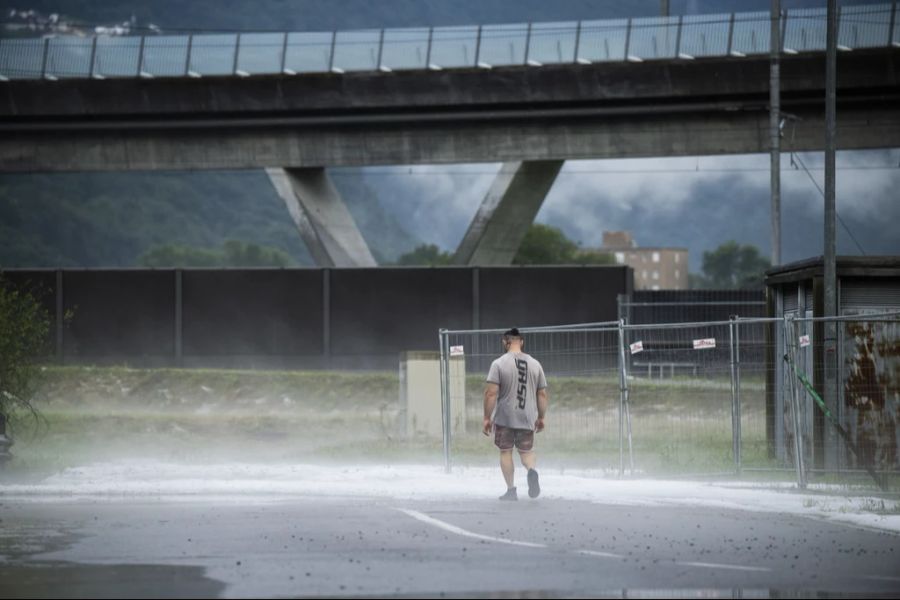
<point>302,318</point>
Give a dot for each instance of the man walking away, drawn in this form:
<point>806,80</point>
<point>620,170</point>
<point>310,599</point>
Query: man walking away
<point>515,402</point>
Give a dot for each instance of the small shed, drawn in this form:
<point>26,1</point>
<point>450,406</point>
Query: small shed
<point>868,399</point>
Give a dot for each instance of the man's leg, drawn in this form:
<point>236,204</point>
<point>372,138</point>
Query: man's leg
<point>504,439</point>
<point>525,445</point>
<point>528,459</point>
<point>508,467</point>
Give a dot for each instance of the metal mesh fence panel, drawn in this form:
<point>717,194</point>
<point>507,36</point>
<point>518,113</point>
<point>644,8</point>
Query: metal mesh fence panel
<point>653,38</point>
<point>861,423</point>
<point>603,40</point>
<point>755,370</point>
<point>454,46</point>
<point>680,398</point>
<point>69,57</point>
<point>213,54</point>
<point>165,56</point>
<point>581,366</point>
<point>750,34</point>
<point>553,42</point>
<point>705,35</point>
<point>405,48</point>
<point>804,30</point>
<point>503,44</point>
<point>357,50</point>
<point>308,52</point>
<point>722,397</point>
<point>21,58</point>
<point>117,56</point>
<point>260,53</point>
<point>245,54</point>
<point>866,26</point>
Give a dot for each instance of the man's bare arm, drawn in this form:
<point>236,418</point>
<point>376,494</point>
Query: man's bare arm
<point>490,401</point>
<point>543,401</point>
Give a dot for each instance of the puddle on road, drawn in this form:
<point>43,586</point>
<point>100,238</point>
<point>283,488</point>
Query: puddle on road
<point>72,580</point>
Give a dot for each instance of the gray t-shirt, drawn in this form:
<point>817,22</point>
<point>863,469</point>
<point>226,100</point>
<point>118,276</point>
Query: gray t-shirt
<point>519,377</point>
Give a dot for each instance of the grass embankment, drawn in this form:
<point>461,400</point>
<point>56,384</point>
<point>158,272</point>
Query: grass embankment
<point>95,414</point>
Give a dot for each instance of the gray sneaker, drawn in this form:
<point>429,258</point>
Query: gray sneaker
<point>510,494</point>
<point>534,487</point>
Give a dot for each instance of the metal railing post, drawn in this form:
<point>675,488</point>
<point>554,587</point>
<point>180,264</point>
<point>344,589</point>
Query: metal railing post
<point>621,401</point>
<point>237,52</point>
<point>577,42</point>
<point>93,57</point>
<point>380,49</point>
<point>893,23</point>
<point>527,43</point>
<point>140,65</point>
<point>60,317</point>
<point>284,44</point>
<point>445,396</point>
<point>179,316</point>
<point>790,341</point>
<point>784,18</point>
<point>44,58</point>
<point>478,47</point>
<point>331,56</point>
<point>624,413</point>
<point>737,370</point>
<point>735,417</point>
<point>428,48</point>
<point>627,39</point>
<point>678,37</point>
<point>187,54</point>
<point>730,35</point>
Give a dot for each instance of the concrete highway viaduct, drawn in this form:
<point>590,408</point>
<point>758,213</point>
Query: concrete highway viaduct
<point>529,118</point>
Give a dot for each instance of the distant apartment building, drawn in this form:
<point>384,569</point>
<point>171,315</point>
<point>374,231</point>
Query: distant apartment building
<point>654,268</point>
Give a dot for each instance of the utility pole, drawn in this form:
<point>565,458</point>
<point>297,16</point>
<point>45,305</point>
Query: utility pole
<point>830,270</point>
<point>664,8</point>
<point>775,128</point>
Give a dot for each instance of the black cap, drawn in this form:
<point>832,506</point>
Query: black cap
<point>514,332</point>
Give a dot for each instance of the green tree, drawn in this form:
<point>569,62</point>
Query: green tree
<point>175,255</point>
<point>239,254</point>
<point>426,254</point>
<point>234,253</point>
<point>594,257</point>
<point>546,245</point>
<point>24,329</point>
<point>733,266</point>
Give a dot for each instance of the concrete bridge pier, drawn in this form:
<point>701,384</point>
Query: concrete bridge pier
<point>325,224</point>
<point>508,210</point>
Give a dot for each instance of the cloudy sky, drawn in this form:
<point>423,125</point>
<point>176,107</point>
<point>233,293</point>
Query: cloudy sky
<point>696,203</point>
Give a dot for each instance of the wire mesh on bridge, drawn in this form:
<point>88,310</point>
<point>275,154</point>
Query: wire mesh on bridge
<point>681,399</point>
<point>535,44</point>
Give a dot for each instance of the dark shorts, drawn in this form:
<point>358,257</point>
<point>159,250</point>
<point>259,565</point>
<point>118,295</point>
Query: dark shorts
<point>506,438</point>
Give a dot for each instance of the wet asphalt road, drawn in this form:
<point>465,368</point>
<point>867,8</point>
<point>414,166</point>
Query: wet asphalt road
<point>348,547</point>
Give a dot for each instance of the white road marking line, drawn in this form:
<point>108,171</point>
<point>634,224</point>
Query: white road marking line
<point>721,566</point>
<point>600,554</point>
<point>459,531</point>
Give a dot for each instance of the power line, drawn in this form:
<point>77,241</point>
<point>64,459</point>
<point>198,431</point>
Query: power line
<point>837,214</point>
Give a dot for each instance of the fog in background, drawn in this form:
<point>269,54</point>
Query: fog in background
<point>693,202</point>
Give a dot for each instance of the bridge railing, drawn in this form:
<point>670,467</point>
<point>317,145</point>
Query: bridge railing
<point>479,46</point>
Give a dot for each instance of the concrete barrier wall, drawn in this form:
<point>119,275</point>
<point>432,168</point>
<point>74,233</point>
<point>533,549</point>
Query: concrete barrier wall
<point>301,318</point>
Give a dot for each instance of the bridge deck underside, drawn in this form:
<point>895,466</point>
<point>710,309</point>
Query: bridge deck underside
<point>686,108</point>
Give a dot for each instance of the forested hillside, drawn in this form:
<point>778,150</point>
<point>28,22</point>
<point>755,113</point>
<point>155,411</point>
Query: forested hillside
<point>110,219</point>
